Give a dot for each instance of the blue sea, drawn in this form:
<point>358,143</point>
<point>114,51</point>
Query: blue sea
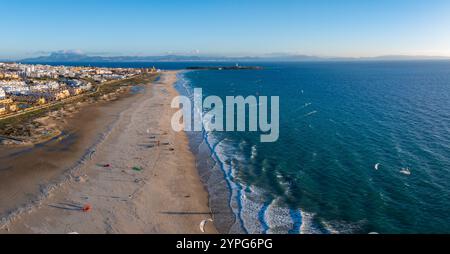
<point>339,121</point>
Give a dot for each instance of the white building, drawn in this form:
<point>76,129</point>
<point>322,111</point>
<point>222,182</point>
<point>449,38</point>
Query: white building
<point>14,87</point>
<point>43,86</point>
<point>2,94</point>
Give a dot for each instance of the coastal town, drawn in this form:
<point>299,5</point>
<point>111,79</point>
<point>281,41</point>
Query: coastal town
<point>25,86</point>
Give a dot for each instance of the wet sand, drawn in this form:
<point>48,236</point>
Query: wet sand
<point>127,182</point>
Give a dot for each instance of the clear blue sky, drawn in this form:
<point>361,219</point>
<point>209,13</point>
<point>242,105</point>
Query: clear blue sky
<point>226,27</point>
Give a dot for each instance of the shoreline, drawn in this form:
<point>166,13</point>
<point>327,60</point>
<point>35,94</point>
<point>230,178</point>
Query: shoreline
<point>165,196</point>
<point>212,174</point>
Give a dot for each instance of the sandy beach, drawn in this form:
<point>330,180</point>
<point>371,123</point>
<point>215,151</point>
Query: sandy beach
<point>139,177</point>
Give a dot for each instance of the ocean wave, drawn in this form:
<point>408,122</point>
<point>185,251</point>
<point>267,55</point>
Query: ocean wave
<point>254,152</point>
<point>254,212</point>
<point>279,218</point>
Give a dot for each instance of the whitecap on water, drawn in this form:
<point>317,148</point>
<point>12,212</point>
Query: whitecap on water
<point>310,113</point>
<point>307,226</point>
<point>341,227</point>
<point>242,145</point>
<point>405,171</point>
<point>278,218</point>
<point>252,203</point>
<point>254,152</point>
<point>306,105</point>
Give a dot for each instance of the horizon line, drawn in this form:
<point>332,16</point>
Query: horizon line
<point>230,56</point>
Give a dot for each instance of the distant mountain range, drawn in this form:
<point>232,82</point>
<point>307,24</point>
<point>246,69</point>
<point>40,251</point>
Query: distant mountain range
<point>62,57</point>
